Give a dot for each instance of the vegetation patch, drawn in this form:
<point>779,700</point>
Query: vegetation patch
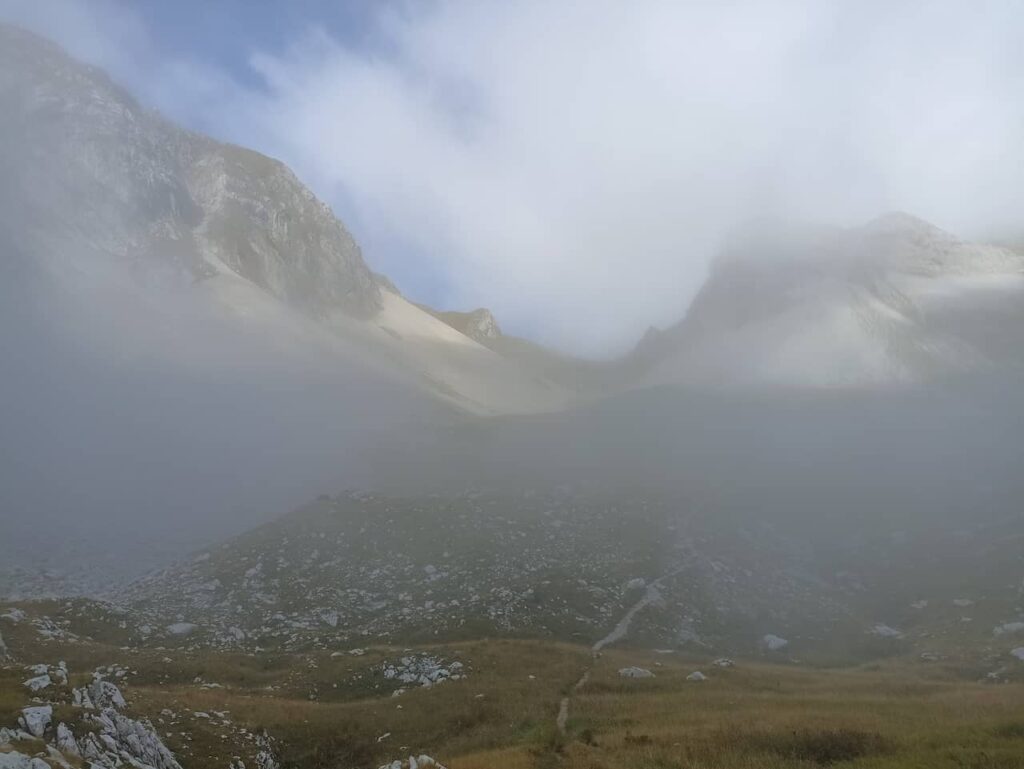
<point>821,746</point>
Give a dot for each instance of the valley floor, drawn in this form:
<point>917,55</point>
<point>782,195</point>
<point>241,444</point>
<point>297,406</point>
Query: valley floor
<point>497,703</point>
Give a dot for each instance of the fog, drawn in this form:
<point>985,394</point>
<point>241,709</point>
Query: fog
<point>552,366</point>
<point>574,166</point>
<point>140,423</point>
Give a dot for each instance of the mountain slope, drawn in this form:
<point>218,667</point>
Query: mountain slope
<point>192,339</point>
<point>96,186</point>
<point>895,301</point>
<point>362,569</point>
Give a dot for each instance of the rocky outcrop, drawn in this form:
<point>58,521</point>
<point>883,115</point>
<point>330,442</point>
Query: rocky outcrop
<point>17,760</point>
<point>424,670</point>
<point>635,672</point>
<point>123,739</point>
<point>35,720</point>
<point>91,166</point>
<point>896,300</point>
<point>479,325</point>
<point>414,762</point>
<point>109,738</point>
<point>773,643</point>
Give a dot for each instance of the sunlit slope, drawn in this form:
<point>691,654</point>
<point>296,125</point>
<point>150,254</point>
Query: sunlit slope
<point>896,301</point>
<point>103,194</point>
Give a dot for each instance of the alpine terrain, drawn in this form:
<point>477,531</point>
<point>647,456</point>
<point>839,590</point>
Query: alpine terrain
<point>260,509</point>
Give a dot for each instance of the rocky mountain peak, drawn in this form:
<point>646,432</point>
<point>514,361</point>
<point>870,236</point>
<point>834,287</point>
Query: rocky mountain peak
<point>479,325</point>
<point>902,223</point>
<point>92,166</point>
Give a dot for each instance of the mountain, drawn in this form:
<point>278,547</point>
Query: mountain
<point>97,185</point>
<point>195,342</point>
<point>479,324</point>
<point>359,569</point>
<point>896,301</point>
<point>186,328</point>
<point>112,204</point>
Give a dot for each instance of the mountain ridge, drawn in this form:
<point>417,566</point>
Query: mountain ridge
<point>834,306</point>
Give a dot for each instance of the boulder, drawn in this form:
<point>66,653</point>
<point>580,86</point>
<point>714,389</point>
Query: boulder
<point>414,762</point>
<point>66,741</point>
<point>36,719</point>
<point>38,683</point>
<point>182,628</point>
<point>884,631</point>
<point>16,760</point>
<point>106,695</point>
<point>1009,628</point>
<point>635,672</point>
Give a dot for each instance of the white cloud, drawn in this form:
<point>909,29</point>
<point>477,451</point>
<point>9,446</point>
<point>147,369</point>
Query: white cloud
<point>573,165</point>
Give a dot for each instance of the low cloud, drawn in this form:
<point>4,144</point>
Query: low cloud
<point>575,165</point>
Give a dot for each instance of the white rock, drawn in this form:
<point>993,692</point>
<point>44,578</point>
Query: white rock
<point>723,662</point>
<point>635,672</point>
<point>1018,653</point>
<point>38,683</point>
<point>80,698</point>
<point>773,642</point>
<point>884,631</point>
<point>1009,628</point>
<point>104,694</point>
<point>120,735</point>
<point>36,719</point>
<point>637,583</point>
<point>66,740</point>
<point>696,675</point>
<point>182,628</point>
<point>7,736</point>
<point>414,762</point>
<point>16,760</point>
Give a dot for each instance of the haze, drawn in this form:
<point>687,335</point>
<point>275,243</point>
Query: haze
<point>574,166</point>
<point>549,385</point>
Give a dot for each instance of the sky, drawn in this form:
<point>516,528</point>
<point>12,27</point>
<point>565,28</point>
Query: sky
<point>575,165</point>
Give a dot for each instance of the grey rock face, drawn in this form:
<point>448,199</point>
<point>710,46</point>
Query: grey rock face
<point>635,672</point>
<point>895,300</point>
<point>66,741</point>
<point>479,325</point>
<point>36,719</point>
<point>16,760</point>
<point>106,695</point>
<point>89,169</point>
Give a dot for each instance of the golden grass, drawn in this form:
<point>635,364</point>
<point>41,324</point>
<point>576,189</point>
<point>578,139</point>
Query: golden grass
<point>897,714</point>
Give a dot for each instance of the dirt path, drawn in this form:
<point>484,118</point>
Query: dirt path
<point>620,631</point>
